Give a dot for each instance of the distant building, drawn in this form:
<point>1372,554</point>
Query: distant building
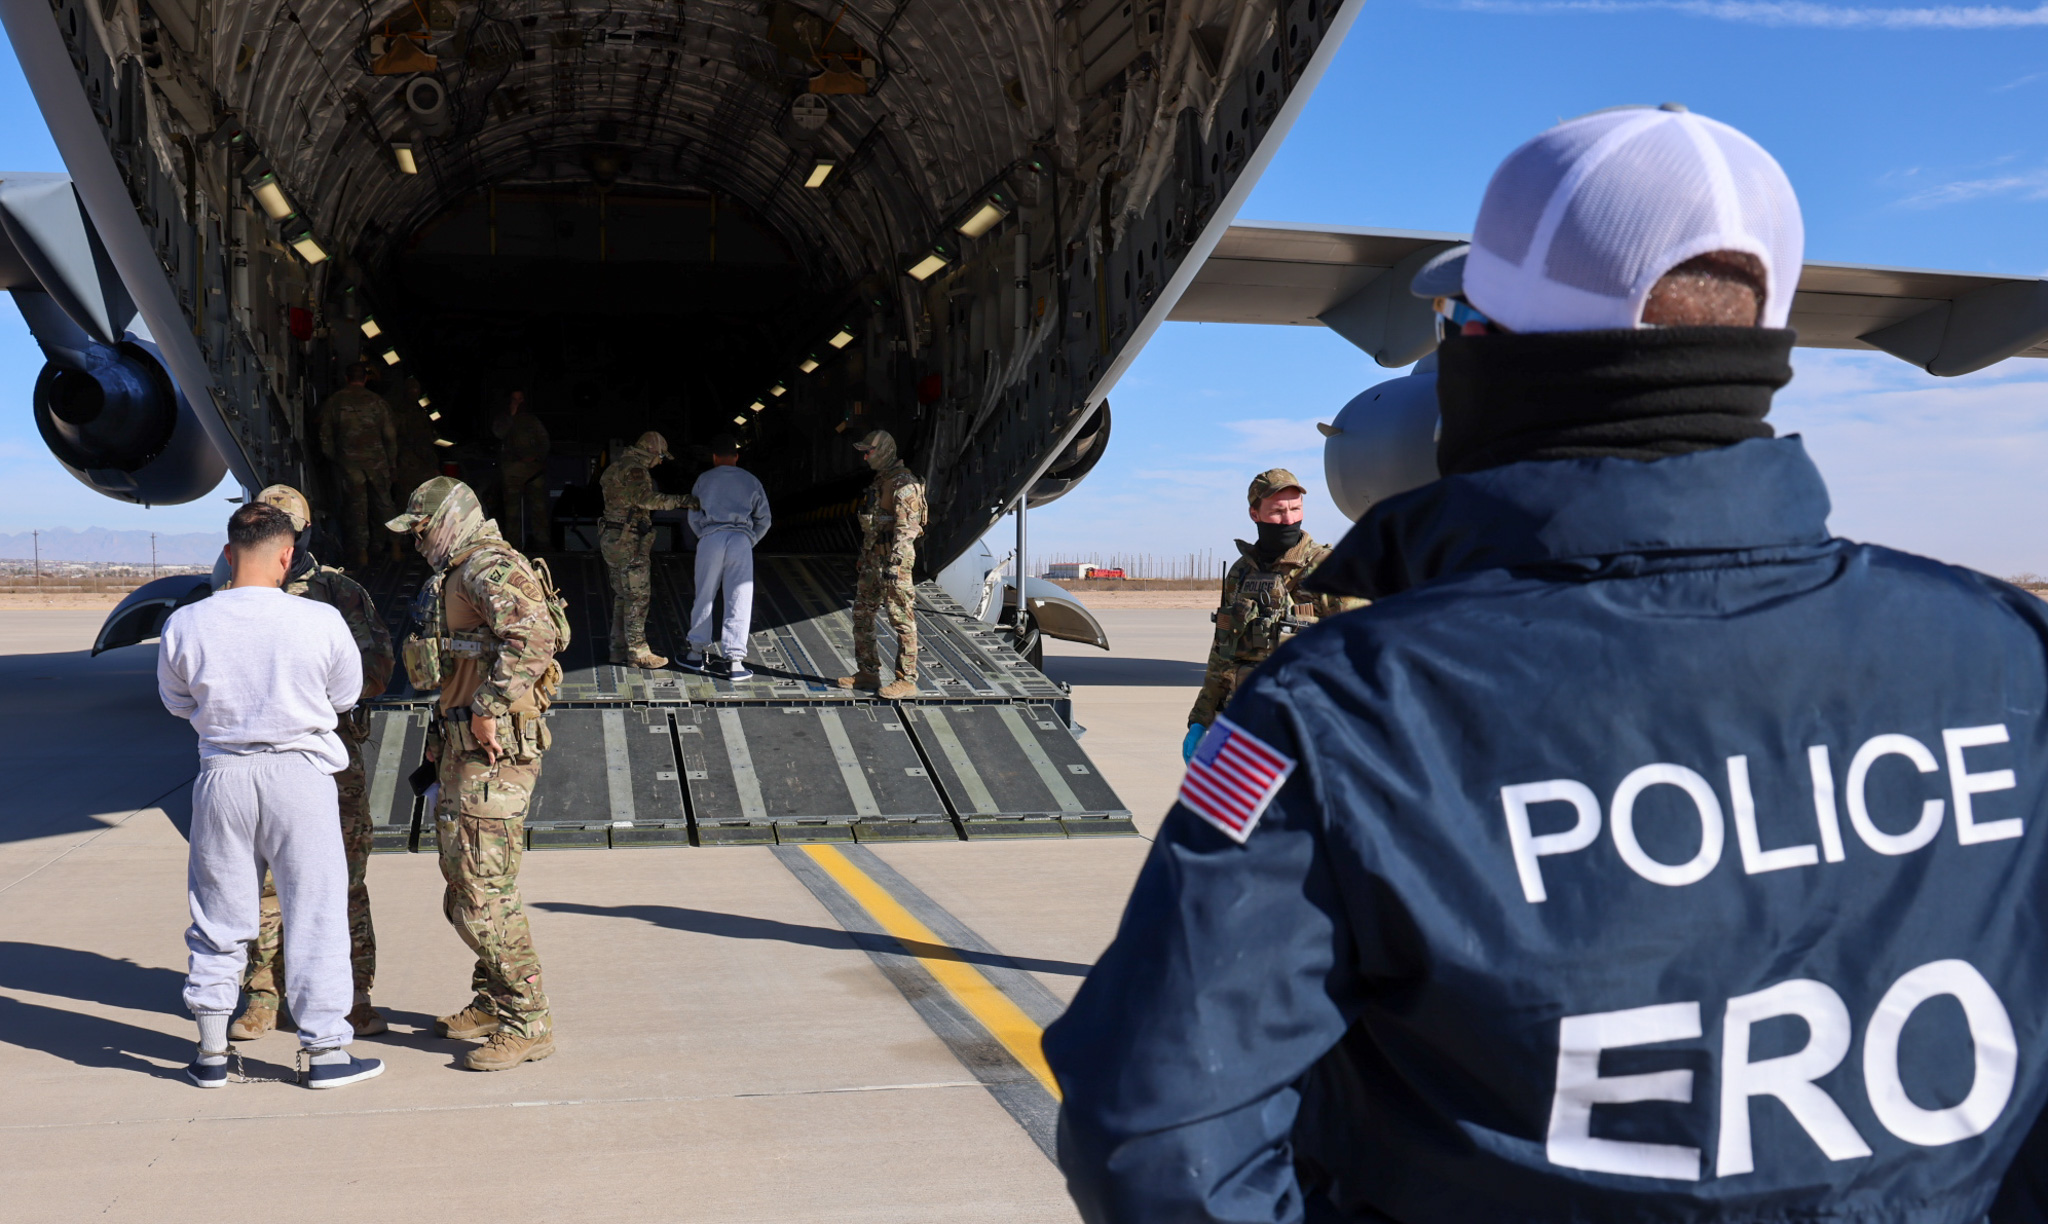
<point>1079,569</point>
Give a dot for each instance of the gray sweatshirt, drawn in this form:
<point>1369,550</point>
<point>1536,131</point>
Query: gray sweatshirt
<point>732,500</point>
<point>257,670</point>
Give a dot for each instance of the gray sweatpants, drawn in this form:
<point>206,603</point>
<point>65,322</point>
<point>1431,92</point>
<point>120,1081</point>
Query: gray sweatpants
<point>724,559</point>
<point>275,811</point>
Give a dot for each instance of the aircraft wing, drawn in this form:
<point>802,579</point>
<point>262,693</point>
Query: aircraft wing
<point>1354,281</point>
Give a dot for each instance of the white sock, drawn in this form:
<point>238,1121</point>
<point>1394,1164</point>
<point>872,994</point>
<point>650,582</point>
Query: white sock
<point>331,1056</point>
<point>213,1036</point>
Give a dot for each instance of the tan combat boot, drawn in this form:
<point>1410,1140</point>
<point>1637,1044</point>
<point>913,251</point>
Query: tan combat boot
<point>905,684</point>
<point>504,1051</point>
<point>252,1023</point>
<point>471,1021</point>
<point>865,680</point>
<point>366,1020</point>
<point>640,656</point>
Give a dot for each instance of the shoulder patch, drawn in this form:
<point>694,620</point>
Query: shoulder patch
<point>1232,778</point>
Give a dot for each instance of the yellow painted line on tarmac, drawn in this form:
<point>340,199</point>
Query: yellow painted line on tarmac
<point>1004,1020</point>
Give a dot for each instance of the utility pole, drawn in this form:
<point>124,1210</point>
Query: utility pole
<point>36,538</point>
<point>152,556</point>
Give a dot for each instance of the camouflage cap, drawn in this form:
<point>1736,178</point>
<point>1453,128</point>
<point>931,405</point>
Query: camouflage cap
<point>873,439</point>
<point>1267,483</point>
<point>289,500</point>
<point>653,443</point>
<point>425,500</point>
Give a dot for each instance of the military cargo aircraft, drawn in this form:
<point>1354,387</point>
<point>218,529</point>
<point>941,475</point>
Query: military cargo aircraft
<point>792,222</point>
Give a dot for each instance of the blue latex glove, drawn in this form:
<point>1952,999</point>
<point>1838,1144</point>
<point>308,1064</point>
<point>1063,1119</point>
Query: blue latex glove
<point>1187,746</point>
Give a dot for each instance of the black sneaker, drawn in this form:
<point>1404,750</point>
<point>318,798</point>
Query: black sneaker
<point>336,1075</point>
<point>215,1076</point>
<point>692,660</point>
<point>736,671</point>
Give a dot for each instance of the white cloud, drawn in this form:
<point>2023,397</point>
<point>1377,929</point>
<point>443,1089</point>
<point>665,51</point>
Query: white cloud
<point>1949,468</point>
<point>1787,13</point>
<point>1278,436</point>
<point>2028,79</point>
<point>2028,185</point>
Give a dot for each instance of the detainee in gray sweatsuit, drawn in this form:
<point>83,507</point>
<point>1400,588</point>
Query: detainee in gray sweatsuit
<point>731,518</point>
<point>263,677</point>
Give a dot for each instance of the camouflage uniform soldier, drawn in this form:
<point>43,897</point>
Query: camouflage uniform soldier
<point>1261,606</point>
<point>358,436</point>
<point>523,447</point>
<point>627,543</point>
<point>260,991</point>
<point>488,645</point>
<point>892,514</point>
<point>418,460</point>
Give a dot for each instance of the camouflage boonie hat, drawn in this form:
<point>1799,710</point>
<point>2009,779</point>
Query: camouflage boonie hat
<point>425,500</point>
<point>1265,484</point>
<point>289,500</point>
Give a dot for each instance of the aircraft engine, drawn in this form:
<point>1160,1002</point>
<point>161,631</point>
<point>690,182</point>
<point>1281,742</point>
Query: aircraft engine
<point>1383,442</point>
<point>116,421</point>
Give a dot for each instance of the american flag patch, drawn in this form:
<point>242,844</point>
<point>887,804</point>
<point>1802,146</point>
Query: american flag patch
<point>1232,777</point>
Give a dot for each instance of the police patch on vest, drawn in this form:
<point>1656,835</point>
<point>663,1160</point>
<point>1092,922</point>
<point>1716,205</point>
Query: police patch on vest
<point>1232,778</point>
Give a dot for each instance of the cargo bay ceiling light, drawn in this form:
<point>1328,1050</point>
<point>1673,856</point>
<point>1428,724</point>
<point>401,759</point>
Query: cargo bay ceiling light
<point>842,339</point>
<point>370,328</point>
<point>425,402</point>
<point>433,416</point>
<point>270,194</point>
<point>739,420</point>
<point>808,365</point>
<point>923,268</point>
<point>983,219</point>
<point>308,249</point>
<point>442,442</point>
<point>777,389</point>
<point>821,171</point>
<point>756,406</point>
<point>403,152</point>
<point>390,356</point>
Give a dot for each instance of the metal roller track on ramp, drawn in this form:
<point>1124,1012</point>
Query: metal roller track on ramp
<point>985,748</point>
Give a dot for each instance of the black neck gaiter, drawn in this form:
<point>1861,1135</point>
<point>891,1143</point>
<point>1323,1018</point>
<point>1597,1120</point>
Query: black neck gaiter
<point>303,561</point>
<point>1628,394</point>
<point>1275,539</point>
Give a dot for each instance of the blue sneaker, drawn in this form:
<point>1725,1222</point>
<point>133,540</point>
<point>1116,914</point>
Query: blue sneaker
<point>736,670</point>
<point>336,1075</point>
<point>215,1076</point>
<point>692,660</point>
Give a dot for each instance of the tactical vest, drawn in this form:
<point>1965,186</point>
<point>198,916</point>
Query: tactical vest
<point>877,511</point>
<point>1265,612</point>
<point>455,645</point>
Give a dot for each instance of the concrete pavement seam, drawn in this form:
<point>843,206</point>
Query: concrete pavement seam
<point>185,1119</point>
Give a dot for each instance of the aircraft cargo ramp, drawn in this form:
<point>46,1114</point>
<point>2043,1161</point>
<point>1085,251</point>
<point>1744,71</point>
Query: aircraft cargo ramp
<point>986,747</point>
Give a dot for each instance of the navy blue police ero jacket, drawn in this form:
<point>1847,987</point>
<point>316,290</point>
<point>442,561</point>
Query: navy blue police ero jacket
<point>1648,854</point>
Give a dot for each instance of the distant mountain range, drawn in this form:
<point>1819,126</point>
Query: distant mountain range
<point>120,547</point>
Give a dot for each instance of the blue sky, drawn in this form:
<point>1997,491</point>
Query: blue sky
<point>1911,133</point>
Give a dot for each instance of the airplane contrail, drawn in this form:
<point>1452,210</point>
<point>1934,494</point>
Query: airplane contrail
<point>1786,13</point>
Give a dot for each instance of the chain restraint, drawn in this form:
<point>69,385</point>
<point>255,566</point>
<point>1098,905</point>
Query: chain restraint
<point>242,1076</point>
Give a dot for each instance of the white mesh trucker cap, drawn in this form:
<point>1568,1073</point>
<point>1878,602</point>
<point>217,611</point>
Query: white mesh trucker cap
<point>1580,223</point>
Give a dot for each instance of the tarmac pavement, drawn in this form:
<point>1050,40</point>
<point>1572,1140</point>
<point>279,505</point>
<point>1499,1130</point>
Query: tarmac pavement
<point>728,1050</point>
